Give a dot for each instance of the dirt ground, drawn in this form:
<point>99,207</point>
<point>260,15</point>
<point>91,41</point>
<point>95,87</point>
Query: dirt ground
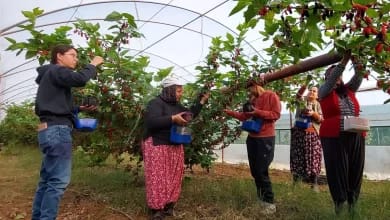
<point>17,189</point>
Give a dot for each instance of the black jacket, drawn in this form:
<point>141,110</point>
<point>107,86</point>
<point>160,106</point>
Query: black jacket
<point>158,119</point>
<point>54,102</point>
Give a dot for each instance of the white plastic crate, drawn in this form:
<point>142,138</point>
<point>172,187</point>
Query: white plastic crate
<point>356,124</point>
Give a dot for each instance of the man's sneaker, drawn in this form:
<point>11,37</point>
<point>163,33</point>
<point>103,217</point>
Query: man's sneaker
<point>268,208</point>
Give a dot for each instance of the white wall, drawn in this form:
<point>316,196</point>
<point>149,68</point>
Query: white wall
<point>377,164</point>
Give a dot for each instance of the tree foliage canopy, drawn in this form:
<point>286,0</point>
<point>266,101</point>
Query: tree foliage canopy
<point>295,29</point>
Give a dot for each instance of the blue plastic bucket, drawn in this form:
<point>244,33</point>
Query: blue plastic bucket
<point>180,135</point>
<point>253,126</point>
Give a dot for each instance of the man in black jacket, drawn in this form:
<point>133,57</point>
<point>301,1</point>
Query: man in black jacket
<point>54,108</point>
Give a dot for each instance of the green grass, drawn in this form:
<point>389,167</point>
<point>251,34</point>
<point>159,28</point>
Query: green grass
<point>209,197</point>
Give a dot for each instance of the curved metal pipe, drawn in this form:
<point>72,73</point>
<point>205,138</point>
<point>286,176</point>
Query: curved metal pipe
<point>101,19</point>
<point>14,96</point>
<point>13,86</point>
<point>132,1</point>
<point>23,87</point>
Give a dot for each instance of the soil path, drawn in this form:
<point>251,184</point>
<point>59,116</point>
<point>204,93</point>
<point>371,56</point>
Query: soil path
<point>17,189</point>
<point>17,185</point>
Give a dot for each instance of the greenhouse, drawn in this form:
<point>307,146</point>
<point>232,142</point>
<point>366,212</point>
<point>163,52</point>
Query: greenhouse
<point>202,67</point>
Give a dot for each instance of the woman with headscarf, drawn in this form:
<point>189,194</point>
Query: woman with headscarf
<point>164,160</point>
<point>343,150</point>
<point>305,149</point>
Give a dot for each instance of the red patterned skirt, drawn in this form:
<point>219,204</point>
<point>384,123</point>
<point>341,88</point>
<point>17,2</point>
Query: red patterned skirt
<point>305,152</point>
<point>163,170</point>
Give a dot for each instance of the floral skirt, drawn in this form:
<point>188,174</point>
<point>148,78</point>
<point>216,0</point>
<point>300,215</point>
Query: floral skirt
<point>305,153</point>
<point>163,170</point>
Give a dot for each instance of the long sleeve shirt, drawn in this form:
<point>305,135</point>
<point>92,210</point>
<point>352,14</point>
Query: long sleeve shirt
<point>330,83</point>
<point>335,107</point>
<point>158,119</point>
<point>54,101</point>
<point>268,108</point>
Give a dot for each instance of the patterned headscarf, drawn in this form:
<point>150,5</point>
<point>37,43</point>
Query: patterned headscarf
<point>168,94</point>
<point>329,71</point>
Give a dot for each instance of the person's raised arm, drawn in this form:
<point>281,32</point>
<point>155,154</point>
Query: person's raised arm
<point>197,106</point>
<point>332,75</point>
<point>69,78</point>
<point>354,83</point>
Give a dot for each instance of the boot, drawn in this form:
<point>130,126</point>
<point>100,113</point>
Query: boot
<point>157,214</point>
<point>168,209</point>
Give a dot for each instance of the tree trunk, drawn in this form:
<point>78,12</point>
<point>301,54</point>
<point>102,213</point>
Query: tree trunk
<point>303,66</point>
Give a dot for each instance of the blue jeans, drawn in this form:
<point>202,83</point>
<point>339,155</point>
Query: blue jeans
<point>55,143</point>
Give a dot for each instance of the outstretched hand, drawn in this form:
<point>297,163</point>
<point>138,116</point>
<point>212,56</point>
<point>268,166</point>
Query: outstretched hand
<point>204,98</point>
<point>96,61</point>
<point>178,118</point>
<point>228,112</point>
<point>346,57</point>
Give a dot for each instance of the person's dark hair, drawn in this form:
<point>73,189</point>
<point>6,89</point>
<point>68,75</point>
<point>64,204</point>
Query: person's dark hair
<point>61,48</point>
<point>253,81</point>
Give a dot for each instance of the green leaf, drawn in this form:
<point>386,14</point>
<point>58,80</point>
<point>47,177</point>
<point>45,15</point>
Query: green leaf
<point>240,5</point>
<point>143,61</point>
<point>230,38</point>
<point>216,41</point>
<point>41,60</point>
<point>270,50</point>
<point>365,2</point>
<point>109,37</point>
<point>31,54</point>
<point>37,11</point>
<point>16,46</point>
<point>372,13</point>
<point>270,26</point>
<point>114,16</point>
<point>252,23</point>
<point>298,36</point>
<point>314,34</point>
<point>255,58</point>
<point>12,41</point>
<point>228,46</point>
<point>162,73</point>
<point>18,53</point>
<point>385,9</point>
<point>28,14</point>
<point>130,19</point>
<point>123,52</point>
<point>333,21</point>
<point>250,13</point>
<point>340,5</point>
<point>28,27</point>
<point>63,29</point>
<point>113,26</point>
